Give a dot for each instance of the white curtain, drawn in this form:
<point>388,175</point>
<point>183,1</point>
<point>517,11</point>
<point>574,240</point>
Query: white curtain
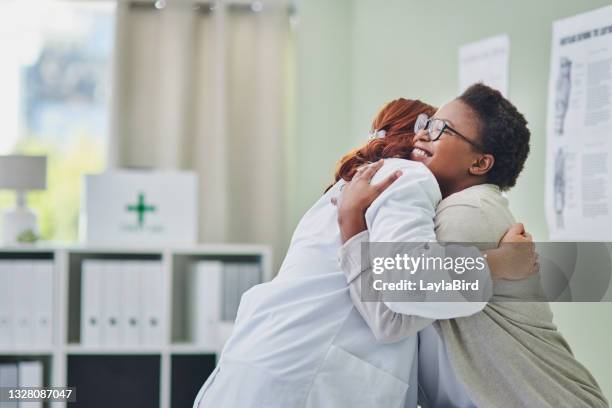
<point>204,87</point>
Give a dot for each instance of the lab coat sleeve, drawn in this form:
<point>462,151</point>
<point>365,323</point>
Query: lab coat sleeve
<point>386,325</point>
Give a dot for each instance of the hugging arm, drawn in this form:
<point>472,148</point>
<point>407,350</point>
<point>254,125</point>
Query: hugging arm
<point>389,325</point>
<point>407,215</point>
<point>403,212</point>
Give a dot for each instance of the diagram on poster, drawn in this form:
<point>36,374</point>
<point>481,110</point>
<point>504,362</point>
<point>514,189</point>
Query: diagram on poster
<point>485,61</point>
<point>579,128</point>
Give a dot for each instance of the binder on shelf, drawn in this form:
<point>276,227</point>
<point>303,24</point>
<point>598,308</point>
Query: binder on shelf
<point>23,302</point>
<point>238,278</point>
<point>42,316</point>
<point>231,281</point>
<point>112,324</point>
<point>91,303</point>
<point>9,377</point>
<point>249,277</point>
<point>6,305</point>
<point>125,297</point>
<point>134,283</point>
<point>152,287</point>
<point>131,300</point>
<point>30,374</point>
<point>204,308</point>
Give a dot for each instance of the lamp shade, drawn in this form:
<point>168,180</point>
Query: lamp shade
<point>23,172</point>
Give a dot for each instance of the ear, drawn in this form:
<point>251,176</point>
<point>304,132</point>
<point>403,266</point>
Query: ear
<point>482,165</point>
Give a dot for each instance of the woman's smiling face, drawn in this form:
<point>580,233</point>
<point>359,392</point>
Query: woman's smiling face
<point>450,157</point>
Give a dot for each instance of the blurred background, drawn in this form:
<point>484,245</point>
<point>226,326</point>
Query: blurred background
<point>260,99</point>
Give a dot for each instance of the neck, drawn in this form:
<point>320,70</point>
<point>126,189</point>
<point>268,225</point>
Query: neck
<point>461,185</point>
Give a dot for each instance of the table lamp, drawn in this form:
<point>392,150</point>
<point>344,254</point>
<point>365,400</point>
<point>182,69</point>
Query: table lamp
<point>21,173</point>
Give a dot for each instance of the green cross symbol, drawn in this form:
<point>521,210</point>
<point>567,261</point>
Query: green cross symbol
<point>141,208</point>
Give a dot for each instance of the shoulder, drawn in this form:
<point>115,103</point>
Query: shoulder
<point>404,211</point>
<point>478,213</point>
<point>417,169</point>
<point>475,197</point>
<point>415,188</point>
<point>460,210</point>
<point>461,223</point>
<point>415,176</point>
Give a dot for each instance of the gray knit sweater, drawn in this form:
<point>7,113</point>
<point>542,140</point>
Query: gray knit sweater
<point>510,354</point>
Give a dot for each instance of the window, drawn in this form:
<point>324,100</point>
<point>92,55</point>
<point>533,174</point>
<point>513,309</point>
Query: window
<point>55,77</point>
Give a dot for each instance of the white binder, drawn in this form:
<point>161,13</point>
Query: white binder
<point>231,284</point>
<point>250,276</point>
<point>23,302</point>
<point>6,305</point>
<point>30,374</point>
<point>91,303</point>
<point>131,313</point>
<point>43,305</point>
<point>9,377</point>
<point>152,284</point>
<point>111,304</point>
<point>204,284</point>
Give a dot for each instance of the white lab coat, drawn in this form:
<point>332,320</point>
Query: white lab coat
<point>298,340</point>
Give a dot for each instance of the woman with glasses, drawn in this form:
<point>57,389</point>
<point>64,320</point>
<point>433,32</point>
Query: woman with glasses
<point>298,340</point>
<point>510,354</point>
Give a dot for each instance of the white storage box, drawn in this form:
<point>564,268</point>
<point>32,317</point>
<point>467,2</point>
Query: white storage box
<point>139,208</point>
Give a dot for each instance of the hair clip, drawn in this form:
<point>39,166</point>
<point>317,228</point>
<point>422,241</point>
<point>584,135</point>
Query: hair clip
<point>376,134</point>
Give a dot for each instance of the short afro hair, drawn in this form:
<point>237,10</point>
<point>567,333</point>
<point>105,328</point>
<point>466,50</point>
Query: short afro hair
<point>503,133</point>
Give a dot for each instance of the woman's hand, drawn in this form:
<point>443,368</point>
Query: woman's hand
<point>357,195</point>
<point>516,257</point>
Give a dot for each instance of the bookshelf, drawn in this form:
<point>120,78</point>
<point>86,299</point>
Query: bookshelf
<point>168,371</point>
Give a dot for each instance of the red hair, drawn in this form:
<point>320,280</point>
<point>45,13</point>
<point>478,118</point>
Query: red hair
<point>397,119</point>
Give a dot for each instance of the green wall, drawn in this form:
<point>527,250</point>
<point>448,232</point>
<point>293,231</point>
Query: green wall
<point>322,98</point>
<point>353,56</point>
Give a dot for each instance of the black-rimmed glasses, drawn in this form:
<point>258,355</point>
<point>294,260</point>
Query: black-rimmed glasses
<point>436,127</point>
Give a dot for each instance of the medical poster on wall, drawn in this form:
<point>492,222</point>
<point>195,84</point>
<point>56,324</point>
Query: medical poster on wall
<point>579,128</point>
<point>485,61</point>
